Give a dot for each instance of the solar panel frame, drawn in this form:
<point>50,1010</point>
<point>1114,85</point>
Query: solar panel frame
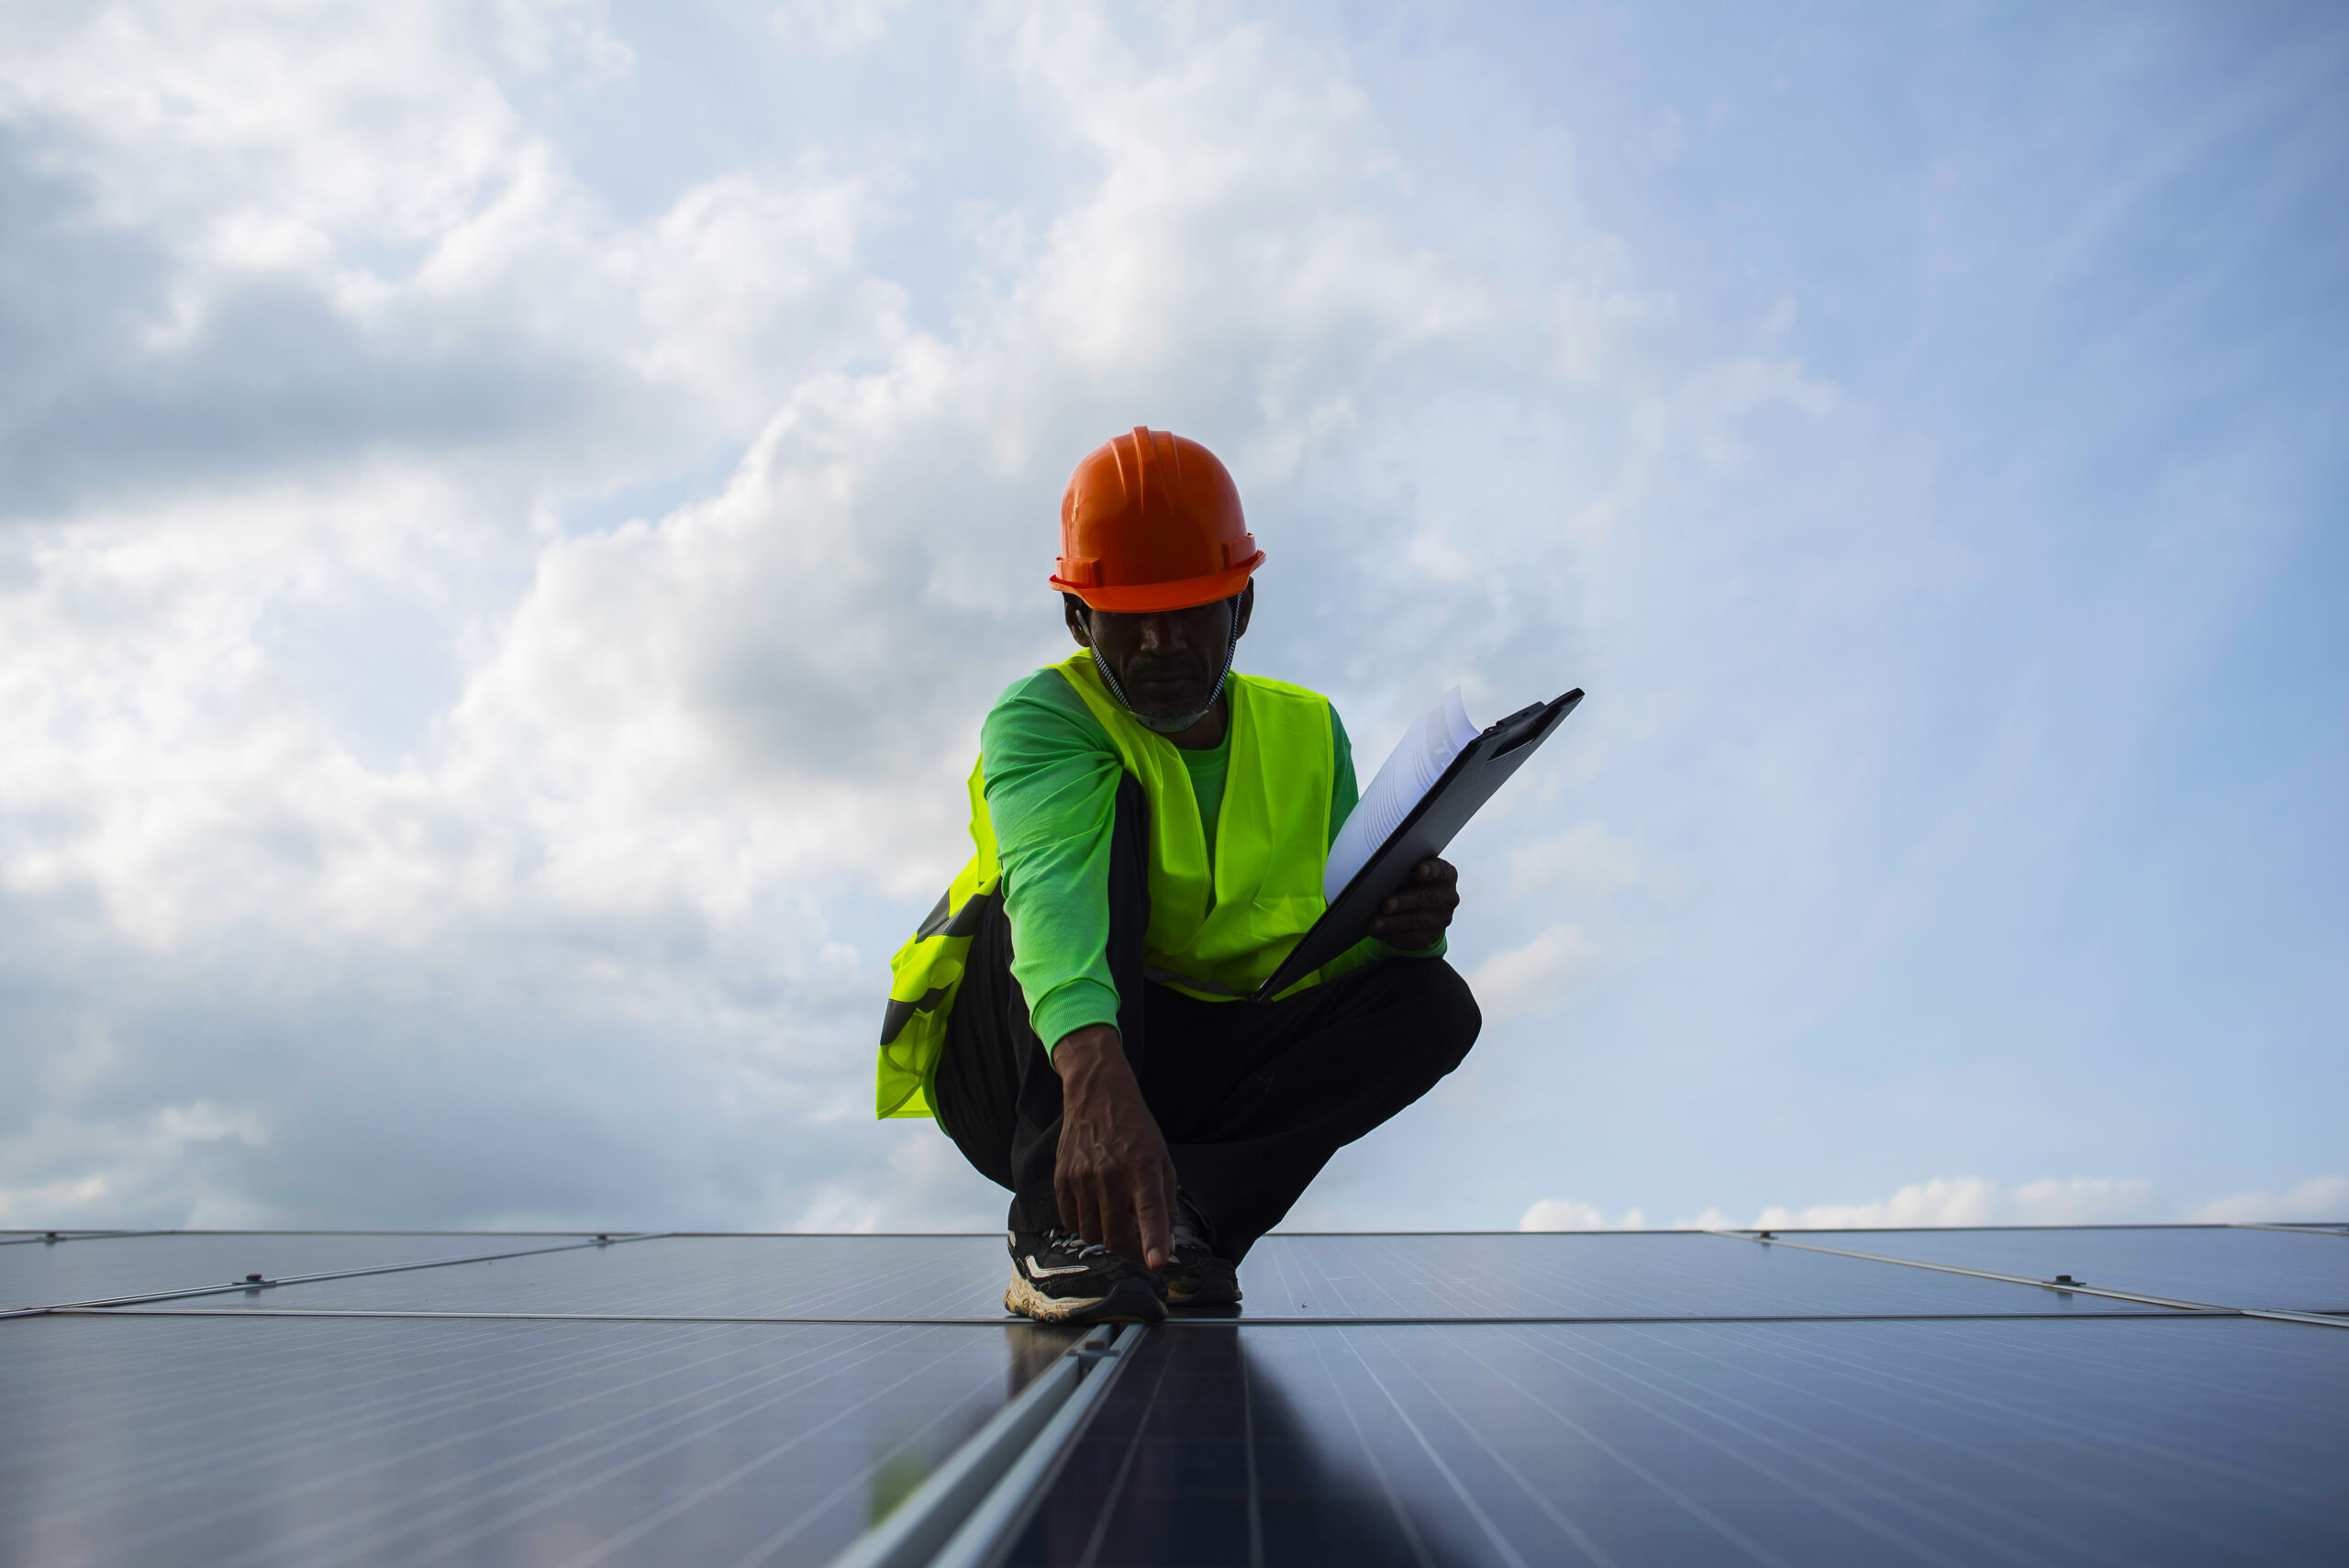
<point>1490,1277</point>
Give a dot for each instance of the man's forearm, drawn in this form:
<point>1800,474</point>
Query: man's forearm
<point>1113,1180</point>
<point>1081,1055</point>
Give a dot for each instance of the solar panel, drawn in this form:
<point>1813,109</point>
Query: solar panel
<point>2290,1271</point>
<point>1866,1442</point>
<point>105,1266</point>
<point>186,1441</point>
<point>960,1279</point>
<point>888,1279</point>
<point>1638,1274</point>
<point>1429,1400</point>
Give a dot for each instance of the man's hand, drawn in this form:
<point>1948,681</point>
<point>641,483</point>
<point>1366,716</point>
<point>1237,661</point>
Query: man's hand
<point>1114,1181</point>
<point>1415,917</point>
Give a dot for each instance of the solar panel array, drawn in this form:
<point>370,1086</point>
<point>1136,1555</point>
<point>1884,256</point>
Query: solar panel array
<point>2179,1395</point>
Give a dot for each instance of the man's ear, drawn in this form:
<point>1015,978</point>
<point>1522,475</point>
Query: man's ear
<point>1246,607</point>
<point>1080,623</point>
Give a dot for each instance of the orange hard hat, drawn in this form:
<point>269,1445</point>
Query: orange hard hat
<point>1151,521</point>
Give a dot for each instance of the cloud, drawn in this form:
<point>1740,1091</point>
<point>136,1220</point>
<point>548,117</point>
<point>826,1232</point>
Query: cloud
<point>509,521</point>
<point>2322,1199</point>
<point>1539,975</point>
<point>1975,1201</point>
<point>1585,859</point>
<point>836,24</point>
<point>324,243</point>
<point>1971,1200</point>
<point>521,901</point>
<point>1565,1214</point>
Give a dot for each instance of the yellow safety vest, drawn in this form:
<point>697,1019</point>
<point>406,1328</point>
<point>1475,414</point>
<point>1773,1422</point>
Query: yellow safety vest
<point>1216,932</point>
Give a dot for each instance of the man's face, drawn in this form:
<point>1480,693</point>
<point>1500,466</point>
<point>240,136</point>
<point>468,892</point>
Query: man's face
<point>1168,662</point>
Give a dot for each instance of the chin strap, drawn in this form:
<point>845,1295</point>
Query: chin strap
<point>1172,726</point>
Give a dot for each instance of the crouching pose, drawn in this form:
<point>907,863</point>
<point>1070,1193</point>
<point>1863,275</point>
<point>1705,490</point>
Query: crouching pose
<point>1151,829</point>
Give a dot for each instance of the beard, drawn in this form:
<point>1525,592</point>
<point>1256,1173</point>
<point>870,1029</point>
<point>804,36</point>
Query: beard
<point>1166,687</point>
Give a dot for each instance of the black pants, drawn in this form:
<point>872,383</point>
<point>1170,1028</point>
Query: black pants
<point>1253,1098</point>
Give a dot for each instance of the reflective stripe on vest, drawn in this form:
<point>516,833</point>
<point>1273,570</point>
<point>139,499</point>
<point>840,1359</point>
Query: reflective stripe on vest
<point>926,971</point>
<point>1216,932</point>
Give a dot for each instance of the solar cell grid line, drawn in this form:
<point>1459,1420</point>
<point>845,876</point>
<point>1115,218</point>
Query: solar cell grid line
<point>164,1265</point>
<point>1798,1444</point>
<point>1177,1324</point>
<point>776,1541</point>
<point>1467,1500</point>
<point>2145,1474</point>
<point>683,1418</point>
<point>1567,1525</point>
<point>2136,1442</point>
<point>2311,1230</point>
<point>1730,1533</point>
<point>2141,1393</point>
<point>1359,1285</point>
<point>1550,1277</point>
<point>787,1442</point>
<point>1767,1455</point>
<point>625,1459</point>
<point>1573,1275</point>
<point>2058,1359</point>
<point>376,1412</point>
<point>1388,1490</point>
<point>1117,1485</point>
<point>1862,1416</point>
<point>383,1415</point>
<point>811,1277</point>
<point>2170,1520</point>
<point>1761,1444</point>
<point>252,1288</point>
<point>964,1506</point>
<point>2244,1267</point>
<point>1319,1483</point>
<point>2060,1286</point>
<point>1255,1484</point>
<point>988,1531</point>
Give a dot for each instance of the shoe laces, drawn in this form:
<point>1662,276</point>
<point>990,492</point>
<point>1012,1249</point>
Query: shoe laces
<point>1069,1241</point>
<point>1190,1226</point>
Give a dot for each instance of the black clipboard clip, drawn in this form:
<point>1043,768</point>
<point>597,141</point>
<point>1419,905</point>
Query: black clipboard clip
<point>1481,767</point>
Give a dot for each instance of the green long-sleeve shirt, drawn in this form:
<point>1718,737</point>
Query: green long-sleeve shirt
<point>1051,791</point>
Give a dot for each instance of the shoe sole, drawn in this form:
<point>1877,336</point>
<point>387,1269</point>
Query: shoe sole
<point>1212,1294</point>
<point>1128,1301</point>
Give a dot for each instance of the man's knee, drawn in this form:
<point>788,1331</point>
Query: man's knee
<point>1454,1020</point>
<point>1435,1013</point>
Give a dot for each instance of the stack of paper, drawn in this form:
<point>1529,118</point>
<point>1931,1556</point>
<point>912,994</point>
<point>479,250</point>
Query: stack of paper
<point>1410,770</point>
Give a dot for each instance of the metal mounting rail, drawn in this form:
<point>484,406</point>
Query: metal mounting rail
<point>2062,1286</point>
<point>256,1283</point>
<point>967,1512</point>
<point>2341,1230</point>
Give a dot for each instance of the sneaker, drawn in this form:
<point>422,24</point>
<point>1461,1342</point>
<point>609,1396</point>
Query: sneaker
<point>1057,1276</point>
<point>1196,1279</point>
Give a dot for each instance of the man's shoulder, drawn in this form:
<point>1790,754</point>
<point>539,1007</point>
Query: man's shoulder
<point>1265,686</point>
<point>1041,711</point>
<point>1046,687</point>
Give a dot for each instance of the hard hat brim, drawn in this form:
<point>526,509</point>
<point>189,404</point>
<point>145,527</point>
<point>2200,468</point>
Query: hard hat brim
<point>1149,598</point>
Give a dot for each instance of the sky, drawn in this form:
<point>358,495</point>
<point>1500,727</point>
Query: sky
<point>511,514</point>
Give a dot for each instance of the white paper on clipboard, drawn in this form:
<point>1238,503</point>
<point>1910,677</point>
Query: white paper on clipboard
<point>1403,780</point>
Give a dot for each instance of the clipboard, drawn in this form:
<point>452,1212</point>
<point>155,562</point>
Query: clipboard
<point>1481,767</point>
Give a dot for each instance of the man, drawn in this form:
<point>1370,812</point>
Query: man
<point>1150,829</point>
